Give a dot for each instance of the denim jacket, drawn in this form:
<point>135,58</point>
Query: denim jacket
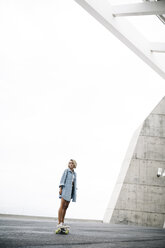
<point>66,184</point>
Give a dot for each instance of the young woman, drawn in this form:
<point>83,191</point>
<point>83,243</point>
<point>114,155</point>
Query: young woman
<point>67,190</point>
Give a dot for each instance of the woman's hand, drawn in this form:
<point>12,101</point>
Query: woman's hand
<point>60,191</point>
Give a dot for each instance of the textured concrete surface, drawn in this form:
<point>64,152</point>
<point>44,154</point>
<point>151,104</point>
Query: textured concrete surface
<point>140,199</point>
<point>29,233</point>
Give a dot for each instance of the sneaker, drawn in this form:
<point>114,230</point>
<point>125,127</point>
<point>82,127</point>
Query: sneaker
<point>66,226</point>
<point>60,225</point>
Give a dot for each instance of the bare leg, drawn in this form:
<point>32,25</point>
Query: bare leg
<point>66,205</point>
<point>62,210</point>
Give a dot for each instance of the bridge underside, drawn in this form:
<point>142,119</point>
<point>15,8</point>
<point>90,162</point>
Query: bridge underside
<point>111,17</point>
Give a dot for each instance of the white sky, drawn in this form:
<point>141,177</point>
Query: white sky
<point>68,89</point>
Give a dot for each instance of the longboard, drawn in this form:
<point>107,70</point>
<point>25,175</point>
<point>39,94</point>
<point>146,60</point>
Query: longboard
<point>62,230</point>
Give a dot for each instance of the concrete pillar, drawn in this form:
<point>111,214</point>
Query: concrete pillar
<point>139,195</point>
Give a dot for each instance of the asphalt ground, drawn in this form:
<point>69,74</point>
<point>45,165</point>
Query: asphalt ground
<point>36,233</point>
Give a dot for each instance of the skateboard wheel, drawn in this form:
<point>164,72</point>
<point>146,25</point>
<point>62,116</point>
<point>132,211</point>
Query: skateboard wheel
<point>58,231</point>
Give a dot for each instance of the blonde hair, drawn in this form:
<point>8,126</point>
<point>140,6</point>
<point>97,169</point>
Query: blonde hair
<point>74,162</point>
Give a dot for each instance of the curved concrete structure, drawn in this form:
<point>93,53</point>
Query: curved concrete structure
<point>139,195</point>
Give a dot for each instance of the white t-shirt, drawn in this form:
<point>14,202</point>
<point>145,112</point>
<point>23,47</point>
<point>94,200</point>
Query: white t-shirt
<point>73,178</point>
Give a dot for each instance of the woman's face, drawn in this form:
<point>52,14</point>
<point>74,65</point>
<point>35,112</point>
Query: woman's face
<point>71,165</point>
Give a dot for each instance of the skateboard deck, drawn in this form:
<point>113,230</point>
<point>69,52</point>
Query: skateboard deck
<point>62,230</point>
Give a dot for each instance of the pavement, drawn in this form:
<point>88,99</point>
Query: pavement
<point>35,233</point>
